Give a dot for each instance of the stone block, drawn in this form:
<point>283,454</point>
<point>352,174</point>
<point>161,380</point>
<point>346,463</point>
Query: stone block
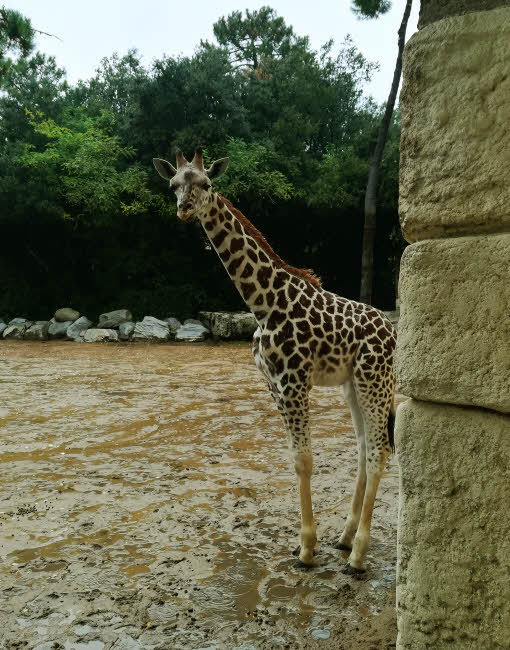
<point>58,329</point>
<point>455,145</point>
<point>112,319</point>
<point>454,331</point>
<point>454,530</point>
<point>99,335</point>
<point>77,330</point>
<point>38,331</point>
<point>151,329</point>
<point>126,330</point>
<point>16,329</point>
<point>238,325</point>
<point>66,314</point>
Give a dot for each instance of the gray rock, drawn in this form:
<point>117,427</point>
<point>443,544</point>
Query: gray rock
<point>151,329</point>
<point>126,330</point>
<point>65,314</point>
<point>173,326</point>
<point>3,326</point>
<point>17,330</point>
<point>113,319</point>
<point>58,330</point>
<point>38,331</point>
<point>98,335</point>
<point>193,321</point>
<point>77,330</point>
<point>192,331</point>
<point>238,326</point>
<point>14,321</point>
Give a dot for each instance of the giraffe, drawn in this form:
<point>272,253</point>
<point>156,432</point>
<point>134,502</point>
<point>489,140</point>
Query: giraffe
<point>306,336</point>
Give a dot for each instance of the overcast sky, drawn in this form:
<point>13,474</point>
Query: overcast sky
<point>93,29</point>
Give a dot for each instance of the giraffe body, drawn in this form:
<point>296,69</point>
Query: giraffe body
<point>306,336</point>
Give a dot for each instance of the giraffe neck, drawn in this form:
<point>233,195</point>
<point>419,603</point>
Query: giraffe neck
<point>255,274</point>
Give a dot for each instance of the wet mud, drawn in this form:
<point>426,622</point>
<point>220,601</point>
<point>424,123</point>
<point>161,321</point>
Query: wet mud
<point>147,502</point>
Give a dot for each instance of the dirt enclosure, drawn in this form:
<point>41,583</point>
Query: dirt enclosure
<point>147,502</point>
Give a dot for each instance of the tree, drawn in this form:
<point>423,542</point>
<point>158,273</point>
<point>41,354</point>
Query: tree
<point>16,36</point>
<point>84,163</point>
<point>81,206</point>
<point>373,9</point>
<point>260,34</point>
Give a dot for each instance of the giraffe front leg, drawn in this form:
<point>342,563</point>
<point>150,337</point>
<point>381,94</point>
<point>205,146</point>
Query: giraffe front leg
<point>296,419</point>
<point>303,465</point>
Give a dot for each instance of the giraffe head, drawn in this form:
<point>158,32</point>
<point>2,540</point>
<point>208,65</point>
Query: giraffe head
<point>190,182</point>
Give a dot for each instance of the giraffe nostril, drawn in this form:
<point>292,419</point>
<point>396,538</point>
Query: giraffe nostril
<point>185,206</point>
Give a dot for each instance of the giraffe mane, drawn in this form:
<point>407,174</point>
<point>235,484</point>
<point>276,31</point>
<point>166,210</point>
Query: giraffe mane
<point>305,274</point>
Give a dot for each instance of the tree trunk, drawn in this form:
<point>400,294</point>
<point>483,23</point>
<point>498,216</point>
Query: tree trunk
<point>367,258</point>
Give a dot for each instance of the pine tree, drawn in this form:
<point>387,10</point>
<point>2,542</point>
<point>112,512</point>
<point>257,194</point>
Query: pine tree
<point>16,36</point>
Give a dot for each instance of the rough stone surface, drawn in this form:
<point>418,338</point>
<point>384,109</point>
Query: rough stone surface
<point>454,330</point>
<point>151,329</point>
<point>3,326</point>
<point>99,335</point>
<point>58,330</point>
<point>230,325</point>
<point>14,321</point>
<point>454,530</point>
<point>38,331</point>
<point>173,325</point>
<point>193,331</point>
<point>16,330</point>
<point>113,319</point>
<point>126,330</point>
<point>76,331</point>
<point>455,145</point>
<point>432,10</point>
<point>66,313</point>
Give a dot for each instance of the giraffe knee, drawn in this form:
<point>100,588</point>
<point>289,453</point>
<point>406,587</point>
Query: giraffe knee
<point>303,464</point>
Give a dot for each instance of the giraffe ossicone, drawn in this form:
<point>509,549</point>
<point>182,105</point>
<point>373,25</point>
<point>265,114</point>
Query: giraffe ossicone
<point>306,336</point>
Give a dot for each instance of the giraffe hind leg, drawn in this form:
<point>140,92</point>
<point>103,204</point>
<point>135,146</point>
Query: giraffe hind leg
<point>351,525</point>
<point>376,406</point>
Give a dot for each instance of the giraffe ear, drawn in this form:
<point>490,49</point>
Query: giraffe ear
<point>217,168</point>
<point>164,168</point>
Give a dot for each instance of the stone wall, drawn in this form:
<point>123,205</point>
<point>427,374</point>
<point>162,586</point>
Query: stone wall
<point>453,350</point>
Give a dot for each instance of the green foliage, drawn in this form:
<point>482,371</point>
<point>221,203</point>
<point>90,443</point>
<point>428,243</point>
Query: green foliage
<point>370,8</point>
<point>250,173</point>
<point>82,161</point>
<point>91,224</point>
<point>16,36</point>
<point>259,35</point>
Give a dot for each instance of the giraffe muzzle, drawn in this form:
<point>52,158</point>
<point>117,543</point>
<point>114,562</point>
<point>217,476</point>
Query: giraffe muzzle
<point>186,215</point>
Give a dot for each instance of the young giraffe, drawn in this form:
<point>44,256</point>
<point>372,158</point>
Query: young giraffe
<point>306,336</point>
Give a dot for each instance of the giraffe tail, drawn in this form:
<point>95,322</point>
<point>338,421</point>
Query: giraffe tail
<point>391,431</point>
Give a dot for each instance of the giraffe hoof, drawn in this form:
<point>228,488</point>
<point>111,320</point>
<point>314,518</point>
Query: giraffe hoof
<point>297,551</point>
<point>350,570</point>
<point>342,547</point>
<point>308,562</point>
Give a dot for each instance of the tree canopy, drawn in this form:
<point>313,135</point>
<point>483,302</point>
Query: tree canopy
<point>16,37</point>
<point>81,206</point>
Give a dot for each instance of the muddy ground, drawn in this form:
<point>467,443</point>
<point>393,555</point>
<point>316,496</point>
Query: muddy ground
<point>147,501</point>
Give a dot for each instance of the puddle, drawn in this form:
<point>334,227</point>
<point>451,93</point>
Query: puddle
<point>147,499</point>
